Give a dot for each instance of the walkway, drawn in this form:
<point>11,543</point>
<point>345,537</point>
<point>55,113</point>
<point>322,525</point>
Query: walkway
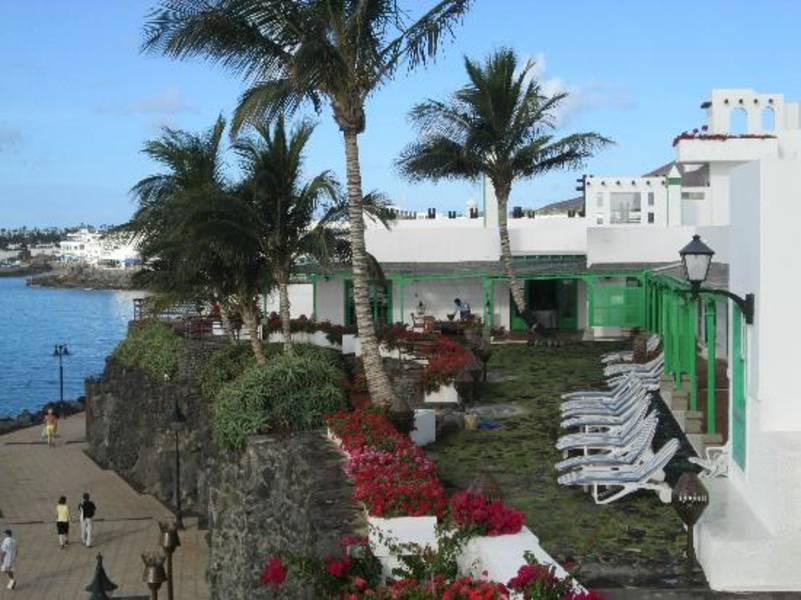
<point>33,476</point>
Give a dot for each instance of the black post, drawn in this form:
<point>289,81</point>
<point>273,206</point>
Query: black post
<point>179,521</point>
<point>170,591</point>
<point>61,377</point>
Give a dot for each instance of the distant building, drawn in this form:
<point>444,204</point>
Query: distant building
<point>99,249</point>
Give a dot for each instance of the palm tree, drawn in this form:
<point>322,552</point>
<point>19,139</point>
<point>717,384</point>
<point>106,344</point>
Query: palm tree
<point>185,257</point>
<point>284,207</point>
<point>318,51</point>
<point>499,126</point>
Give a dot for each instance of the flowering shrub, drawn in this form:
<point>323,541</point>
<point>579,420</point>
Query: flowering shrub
<point>446,359</point>
<point>718,137</point>
<point>303,324</point>
<point>391,476</point>
<point>540,582</point>
<point>440,588</point>
<point>274,572</point>
<point>476,513</point>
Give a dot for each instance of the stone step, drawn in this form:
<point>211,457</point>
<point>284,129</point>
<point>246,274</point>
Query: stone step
<point>690,421</point>
<point>701,441</point>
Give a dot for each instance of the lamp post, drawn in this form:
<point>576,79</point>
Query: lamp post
<point>690,499</point>
<point>101,584</point>
<point>177,425</point>
<point>169,542</point>
<point>696,258</point>
<point>154,575</point>
<point>60,351</point>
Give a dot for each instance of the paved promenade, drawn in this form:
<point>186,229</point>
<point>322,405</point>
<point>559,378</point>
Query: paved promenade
<point>33,476</point>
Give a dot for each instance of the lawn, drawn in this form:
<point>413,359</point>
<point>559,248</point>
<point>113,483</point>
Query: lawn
<point>633,540</point>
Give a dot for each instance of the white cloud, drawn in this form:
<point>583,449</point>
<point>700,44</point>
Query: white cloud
<point>10,138</point>
<point>166,102</point>
<point>581,97</point>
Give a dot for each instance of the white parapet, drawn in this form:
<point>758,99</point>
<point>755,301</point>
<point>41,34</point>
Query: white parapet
<point>351,344</point>
<point>385,533</point>
<point>425,426</point>
<point>315,338</point>
<point>446,394</point>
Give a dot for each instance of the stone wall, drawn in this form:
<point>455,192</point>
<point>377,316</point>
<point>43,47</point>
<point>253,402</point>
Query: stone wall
<point>127,429</point>
<point>282,493</point>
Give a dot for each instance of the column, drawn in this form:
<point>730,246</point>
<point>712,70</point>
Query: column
<point>711,348</point>
<point>690,349</point>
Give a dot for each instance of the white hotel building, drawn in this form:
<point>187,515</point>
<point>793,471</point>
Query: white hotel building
<point>614,266</point>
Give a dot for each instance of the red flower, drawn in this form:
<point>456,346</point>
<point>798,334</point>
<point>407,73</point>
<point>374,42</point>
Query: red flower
<point>274,572</point>
<point>337,567</point>
<point>488,517</point>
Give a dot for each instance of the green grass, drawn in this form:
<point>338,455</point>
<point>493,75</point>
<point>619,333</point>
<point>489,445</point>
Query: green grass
<point>636,530</point>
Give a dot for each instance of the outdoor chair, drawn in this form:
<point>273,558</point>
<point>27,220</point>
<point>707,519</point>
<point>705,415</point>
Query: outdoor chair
<point>614,437</point>
<point>715,463</point>
<point>628,355</point>
<point>636,411</point>
<point>583,394</point>
<point>646,475</point>
<point>637,367</point>
<point>418,323</point>
<point>638,450</point>
<point>611,405</point>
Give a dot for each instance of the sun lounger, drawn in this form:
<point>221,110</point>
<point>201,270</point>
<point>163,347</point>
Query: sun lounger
<point>611,406</point>
<point>715,463</point>
<point>628,355</point>
<point>641,367</point>
<point>613,437</point>
<point>623,381</point>
<point>646,475</point>
<point>635,411</point>
<point>638,450</point>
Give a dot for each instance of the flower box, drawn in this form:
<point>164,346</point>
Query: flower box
<point>501,556</point>
<point>399,530</point>
<point>425,426</point>
<point>316,338</point>
<point>445,394</point>
<point>351,344</point>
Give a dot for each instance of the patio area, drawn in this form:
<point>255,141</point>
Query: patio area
<point>635,541</point>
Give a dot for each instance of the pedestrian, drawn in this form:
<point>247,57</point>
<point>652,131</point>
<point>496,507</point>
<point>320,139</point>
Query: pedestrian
<point>63,522</point>
<point>51,427</point>
<point>8,556</point>
<point>86,510</point>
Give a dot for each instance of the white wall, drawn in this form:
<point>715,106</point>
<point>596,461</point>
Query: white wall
<point>301,300</point>
<point>548,235</point>
<point>638,244</point>
<point>453,243</point>
<point>331,301</point>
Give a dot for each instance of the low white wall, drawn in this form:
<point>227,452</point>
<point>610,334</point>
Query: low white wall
<point>550,235</point>
<point>636,244</point>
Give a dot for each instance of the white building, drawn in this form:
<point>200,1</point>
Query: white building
<point>99,249</point>
<point>736,182</point>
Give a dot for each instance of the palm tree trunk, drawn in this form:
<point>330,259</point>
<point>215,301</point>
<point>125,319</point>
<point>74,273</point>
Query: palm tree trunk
<point>502,194</point>
<point>251,320</point>
<point>378,384</point>
<point>283,308</point>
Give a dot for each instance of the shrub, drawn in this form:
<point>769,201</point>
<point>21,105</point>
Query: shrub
<point>153,347</point>
<point>291,392</point>
<point>224,366</point>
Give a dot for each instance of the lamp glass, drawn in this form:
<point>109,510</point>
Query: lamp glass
<point>696,267</point>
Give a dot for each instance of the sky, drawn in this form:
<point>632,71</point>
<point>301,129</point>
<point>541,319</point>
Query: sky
<point>78,99</point>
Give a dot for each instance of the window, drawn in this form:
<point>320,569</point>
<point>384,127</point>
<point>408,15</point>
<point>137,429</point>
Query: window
<point>650,198</point>
<point>738,123</point>
<point>625,207</point>
<point>600,199</point>
<point>650,217</point>
<point>768,119</point>
<point>693,195</point>
<point>599,220</point>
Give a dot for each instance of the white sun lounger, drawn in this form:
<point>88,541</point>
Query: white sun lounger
<point>640,367</point>
<point>614,437</point>
<point>611,406</point>
<point>715,463</point>
<point>628,355</point>
<point>636,411</point>
<point>638,450</point>
<point>647,475</point>
<point>623,381</point>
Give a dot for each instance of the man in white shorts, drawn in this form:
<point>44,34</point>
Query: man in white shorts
<point>8,555</point>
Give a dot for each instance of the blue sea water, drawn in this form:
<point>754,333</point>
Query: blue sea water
<point>34,319</point>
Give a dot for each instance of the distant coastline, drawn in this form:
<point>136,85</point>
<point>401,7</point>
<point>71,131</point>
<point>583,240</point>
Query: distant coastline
<point>82,277</point>
<point>24,271</point>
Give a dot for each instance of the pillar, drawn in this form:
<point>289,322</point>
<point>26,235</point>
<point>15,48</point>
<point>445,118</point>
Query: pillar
<point>711,348</point>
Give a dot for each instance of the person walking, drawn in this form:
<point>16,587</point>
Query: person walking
<point>63,522</point>
<point>51,427</point>
<point>86,511</point>
<point>8,556</point>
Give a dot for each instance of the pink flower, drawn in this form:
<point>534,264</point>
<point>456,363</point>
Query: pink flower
<point>274,572</point>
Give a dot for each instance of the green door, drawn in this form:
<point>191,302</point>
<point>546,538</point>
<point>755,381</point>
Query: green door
<point>567,303</point>
<point>380,303</point>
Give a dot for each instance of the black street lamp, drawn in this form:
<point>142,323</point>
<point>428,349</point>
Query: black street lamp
<point>154,575</point>
<point>696,258</point>
<point>169,542</point>
<point>177,425</point>
<point>101,584</point>
<point>61,351</point>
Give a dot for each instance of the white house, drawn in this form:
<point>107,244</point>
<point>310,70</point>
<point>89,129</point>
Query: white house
<point>98,248</point>
<point>736,182</point>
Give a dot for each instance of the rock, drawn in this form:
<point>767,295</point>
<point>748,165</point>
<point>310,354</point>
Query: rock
<point>450,422</point>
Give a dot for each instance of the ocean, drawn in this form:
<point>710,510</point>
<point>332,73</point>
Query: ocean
<point>33,320</point>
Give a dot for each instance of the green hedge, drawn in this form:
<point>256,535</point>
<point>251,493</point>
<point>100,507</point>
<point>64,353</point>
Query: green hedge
<point>153,347</point>
<point>224,366</point>
<point>291,392</point>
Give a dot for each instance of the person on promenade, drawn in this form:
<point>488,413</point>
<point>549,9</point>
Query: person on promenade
<point>8,556</point>
<point>51,427</point>
<point>63,521</point>
<point>86,510</point>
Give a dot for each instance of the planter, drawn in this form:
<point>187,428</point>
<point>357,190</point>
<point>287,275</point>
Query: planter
<point>446,394</point>
<point>399,530</point>
<point>316,338</point>
<point>501,556</point>
<point>351,344</point>
<point>425,426</point>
